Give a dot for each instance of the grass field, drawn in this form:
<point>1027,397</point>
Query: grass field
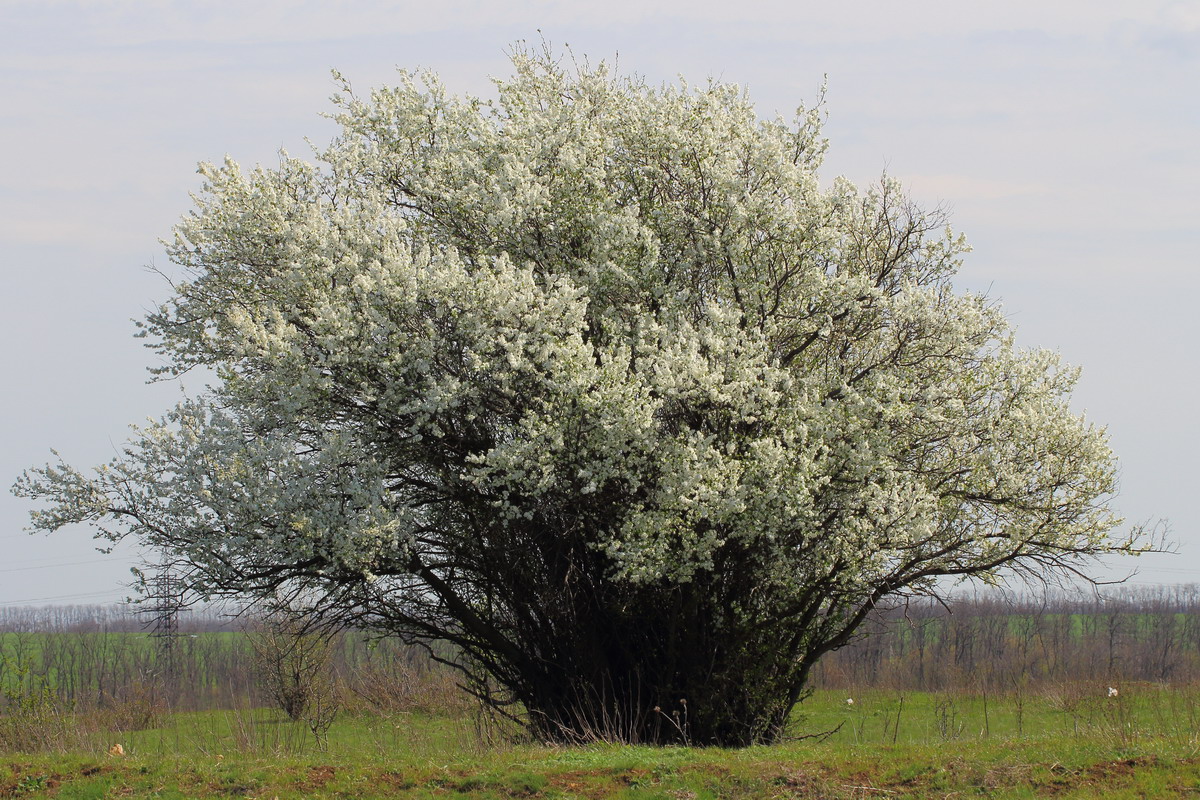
<point>1066,742</point>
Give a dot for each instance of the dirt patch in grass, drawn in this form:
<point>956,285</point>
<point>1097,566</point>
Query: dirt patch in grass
<point>801,784</point>
<point>397,780</point>
<point>318,777</point>
<point>591,784</point>
<point>1107,771</point>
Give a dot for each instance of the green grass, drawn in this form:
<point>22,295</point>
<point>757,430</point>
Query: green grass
<point>1025,768</point>
<point>1070,742</point>
<point>1067,710</point>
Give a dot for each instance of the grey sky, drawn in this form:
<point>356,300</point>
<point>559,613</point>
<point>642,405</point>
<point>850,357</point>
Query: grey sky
<point>1063,137</point>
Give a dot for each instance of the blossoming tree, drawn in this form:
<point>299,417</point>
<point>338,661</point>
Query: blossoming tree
<point>596,382</point>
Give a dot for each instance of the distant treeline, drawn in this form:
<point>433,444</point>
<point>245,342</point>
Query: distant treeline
<point>113,618</point>
<point>995,642</point>
<point>92,656</point>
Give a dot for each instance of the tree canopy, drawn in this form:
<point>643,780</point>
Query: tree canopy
<point>598,382</point>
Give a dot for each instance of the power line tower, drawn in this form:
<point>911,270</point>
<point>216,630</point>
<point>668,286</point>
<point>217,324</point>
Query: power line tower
<point>165,600</point>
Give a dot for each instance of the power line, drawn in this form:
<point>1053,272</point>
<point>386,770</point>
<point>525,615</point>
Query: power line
<point>73,564</point>
<point>59,597</point>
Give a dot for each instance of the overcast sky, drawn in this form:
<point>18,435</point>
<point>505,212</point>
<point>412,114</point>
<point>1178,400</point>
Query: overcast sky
<point>1063,136</point>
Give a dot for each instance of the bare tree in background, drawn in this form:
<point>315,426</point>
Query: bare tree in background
<point>294,665</point>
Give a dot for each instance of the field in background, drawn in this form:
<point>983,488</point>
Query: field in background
<point>1072,697</point>
<point>91,655</point>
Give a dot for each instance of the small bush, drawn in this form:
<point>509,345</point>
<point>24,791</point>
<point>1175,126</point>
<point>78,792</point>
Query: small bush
<point>402,687</point>
<point>32,719</point>
<point>294,666</point>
